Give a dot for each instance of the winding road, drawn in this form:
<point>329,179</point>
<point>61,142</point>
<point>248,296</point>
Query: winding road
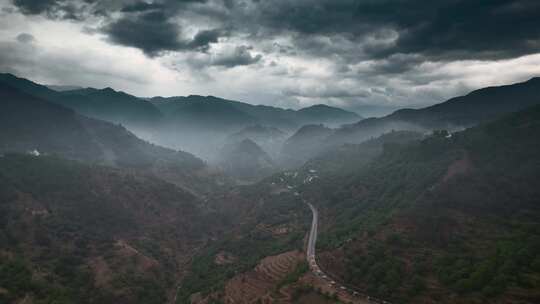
<point>310,255</point>
<point>312,241</point>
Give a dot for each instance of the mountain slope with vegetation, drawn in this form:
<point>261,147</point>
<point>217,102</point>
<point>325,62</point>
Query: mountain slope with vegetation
<point>349,158</point>
<point>197,124</point>
<point>286,119</point>
<point>106,104</point>
<point>268,138</point>
<point>75,233</point>
<point>90,213</point>
<point>304,144</point>
<point>246,160</point>
<point>455,114</point>
<point>188,119</point>
<point>31,123</point>
<point>327,115</point>
<point>110,105</point>
<point>452,218</point>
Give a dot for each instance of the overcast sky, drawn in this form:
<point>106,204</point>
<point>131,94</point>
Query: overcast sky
<point>364,55</point>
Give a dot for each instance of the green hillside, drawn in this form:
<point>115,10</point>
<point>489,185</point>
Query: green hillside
<point>72,233</point>
<point>447,219</point>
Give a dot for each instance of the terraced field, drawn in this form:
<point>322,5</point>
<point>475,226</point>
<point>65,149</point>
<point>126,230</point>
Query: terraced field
<point>260,285</point>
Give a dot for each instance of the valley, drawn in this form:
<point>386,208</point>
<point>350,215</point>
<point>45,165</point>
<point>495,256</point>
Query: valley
<point>292,206</point>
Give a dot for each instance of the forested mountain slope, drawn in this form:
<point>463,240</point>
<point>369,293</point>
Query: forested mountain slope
<point>75,233</point>
<point>452,218</point>
<point>105,104</point>
<point>454,114</point>
<point>30,123</point>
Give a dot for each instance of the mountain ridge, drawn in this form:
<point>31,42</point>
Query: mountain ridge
<point>453,114</point>
<point>194,123</point>
<point>30,123</point>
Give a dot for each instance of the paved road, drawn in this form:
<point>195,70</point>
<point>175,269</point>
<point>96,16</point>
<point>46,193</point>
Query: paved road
<point>310,254</point>
<point>312,241</point>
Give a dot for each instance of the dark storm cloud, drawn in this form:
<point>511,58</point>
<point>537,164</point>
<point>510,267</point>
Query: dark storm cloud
<point>147,26</point>
<point>83,9</point>
<point>77,10</point>
<point>141,7</point>
<point>150,32</point>
<point>240,56</point>
<point>171,5</point>
<point>348,30</point>
<point>475,30</point>
<point>203,38</point>
<point>445,29</point>
<point>153,33</point>
<point>34,7</point>
<point>394,36</point>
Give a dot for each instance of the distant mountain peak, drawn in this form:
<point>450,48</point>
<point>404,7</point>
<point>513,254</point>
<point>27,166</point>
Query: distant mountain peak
<point>325,107</point>
<point>245,160</point>
<point>203,97</point>
<point>312,128</point>
<point>109,89</point>
<point>320,105</point>
<point>326,114</point>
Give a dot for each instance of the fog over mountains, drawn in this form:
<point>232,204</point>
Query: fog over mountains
<point>111,198</point>
<point>208,126</point>
<point>195,123</point>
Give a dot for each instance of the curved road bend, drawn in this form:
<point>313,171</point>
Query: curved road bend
<point>312,241</point>
<point>310,255</point>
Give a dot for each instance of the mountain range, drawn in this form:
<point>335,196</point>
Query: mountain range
<point>454,114</point>
<point>204,125</point>
<point>30,123</point>
<point>198,124</point>
<point>187,120</point>
<point>431,205</point>
<point>406,217</point>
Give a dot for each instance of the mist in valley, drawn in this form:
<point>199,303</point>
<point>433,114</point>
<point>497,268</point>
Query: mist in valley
<point>231,195</point>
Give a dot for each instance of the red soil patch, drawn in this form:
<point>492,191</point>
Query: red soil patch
<point>143,262</point>
<point>102,272</point>
<point>458,167</point>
